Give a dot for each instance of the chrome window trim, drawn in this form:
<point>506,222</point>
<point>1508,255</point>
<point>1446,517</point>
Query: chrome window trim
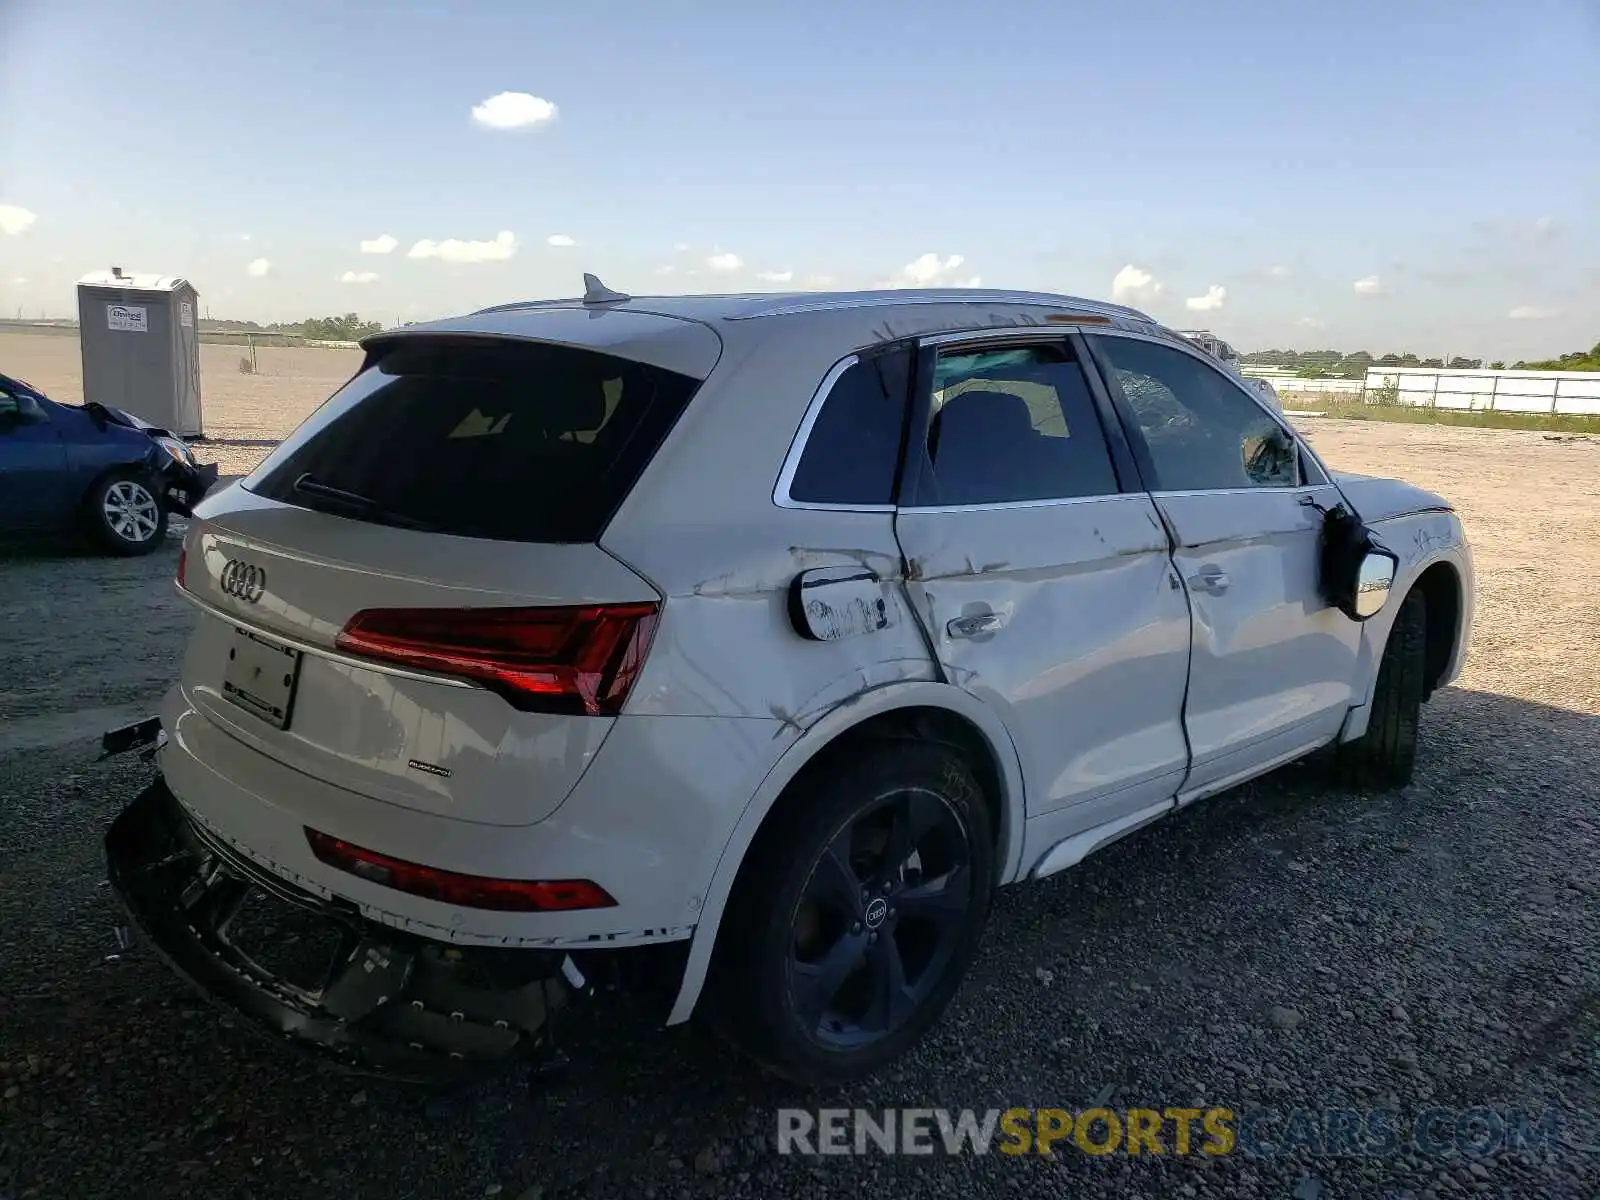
<point>305,647</point>
<point>797,449</point>
<point>1061,502</point>
<point>1243,491</point>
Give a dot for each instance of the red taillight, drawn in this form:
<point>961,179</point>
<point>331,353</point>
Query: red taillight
<point>183,564</point>
<point>464,891</point>
<point>580,660</point>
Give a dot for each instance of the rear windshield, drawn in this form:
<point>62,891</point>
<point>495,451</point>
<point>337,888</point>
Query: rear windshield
<point>510,440</point>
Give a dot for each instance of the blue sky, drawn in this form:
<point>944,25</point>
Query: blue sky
<point>1398,175</point>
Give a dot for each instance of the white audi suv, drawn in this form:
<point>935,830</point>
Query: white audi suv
<point>740,647</point>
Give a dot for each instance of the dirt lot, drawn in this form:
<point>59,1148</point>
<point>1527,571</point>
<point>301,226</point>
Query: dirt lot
<point>244,414</point>
<point>1281,946</point>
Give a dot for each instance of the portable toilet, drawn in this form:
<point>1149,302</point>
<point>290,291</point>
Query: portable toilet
<point>140,341</point>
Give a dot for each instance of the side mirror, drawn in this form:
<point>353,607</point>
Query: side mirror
<point>1373,581</point>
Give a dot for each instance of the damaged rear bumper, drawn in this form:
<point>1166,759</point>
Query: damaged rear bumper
<point>387,1003</point>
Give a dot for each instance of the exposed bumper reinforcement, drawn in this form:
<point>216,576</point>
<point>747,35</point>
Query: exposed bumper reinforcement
<point>388,1004</point>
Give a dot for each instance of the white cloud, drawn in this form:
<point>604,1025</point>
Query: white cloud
<point>513,110</point>
<point>681,247</point>
<point>929,270</point>
<point>457,251</point>
<point>1527,312</point>
<point>14,219</point>
<point>559,239</point>
<point>1311,323</point>
<point>1135,285</point>
<point>1545,227</point>
<point>359,277</point>
<point>1214,299</point>
<point>244,237</point>
<point>725,262</point>
<point>776,276</point>
<point>666,270</point>
<point>258,268</point>
<point>384,243</point>
<point>1278,271</point>
<point>819,281</point>
<point>20,280</point>
<point>1369,286</point>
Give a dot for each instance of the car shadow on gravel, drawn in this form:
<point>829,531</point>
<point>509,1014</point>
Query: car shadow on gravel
<point>1254,949</point>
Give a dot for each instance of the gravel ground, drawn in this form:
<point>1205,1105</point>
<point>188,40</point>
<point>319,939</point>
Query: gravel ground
<point>1280,946</point>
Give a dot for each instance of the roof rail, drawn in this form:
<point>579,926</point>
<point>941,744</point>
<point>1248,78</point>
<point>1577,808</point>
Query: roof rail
<point>827,302</point>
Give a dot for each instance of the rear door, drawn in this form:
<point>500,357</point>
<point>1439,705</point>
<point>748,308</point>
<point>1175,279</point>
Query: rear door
<point>1272,662</point>
<point>1040,570</point>
<point>407,599</point>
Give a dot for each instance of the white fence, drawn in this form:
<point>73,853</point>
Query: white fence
<point>1569,392</point>
<point>1344,388</point>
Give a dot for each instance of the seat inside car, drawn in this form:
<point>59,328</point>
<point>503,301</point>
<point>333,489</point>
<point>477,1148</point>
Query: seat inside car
<point>985,449</point>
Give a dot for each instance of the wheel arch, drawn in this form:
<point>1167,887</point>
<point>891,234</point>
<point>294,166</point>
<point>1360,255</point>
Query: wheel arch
<point>1445,579</point>
<point>141,467</point>
<point>1440,585</point>
<point>905,710</point>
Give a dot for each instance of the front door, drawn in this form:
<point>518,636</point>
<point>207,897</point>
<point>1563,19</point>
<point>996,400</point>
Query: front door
<point>33,466</point>
<point>1042,577</point>
<point>1273,663</point>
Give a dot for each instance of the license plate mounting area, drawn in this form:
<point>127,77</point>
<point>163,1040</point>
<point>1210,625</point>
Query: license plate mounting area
<point>260,676</point>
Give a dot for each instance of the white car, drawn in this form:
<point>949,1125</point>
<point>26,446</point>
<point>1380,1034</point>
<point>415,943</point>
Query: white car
<point>742,646</point>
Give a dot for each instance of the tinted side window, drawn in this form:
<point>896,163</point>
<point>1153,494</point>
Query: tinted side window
<point>19,408</point>
<point>1202,431</point>
<point>509,440</point>
<point>1012,425</point>
<point>853,451</point>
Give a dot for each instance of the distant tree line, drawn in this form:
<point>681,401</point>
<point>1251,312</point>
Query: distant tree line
<point>1578,360</point>
<point>348,328</point>
<point>1335,364</point>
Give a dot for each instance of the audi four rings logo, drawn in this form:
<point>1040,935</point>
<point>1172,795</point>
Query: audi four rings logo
<point>244,580</point>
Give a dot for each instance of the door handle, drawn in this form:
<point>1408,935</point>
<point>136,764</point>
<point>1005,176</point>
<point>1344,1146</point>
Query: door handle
<point>976,625</point>
<point>1212,580</point>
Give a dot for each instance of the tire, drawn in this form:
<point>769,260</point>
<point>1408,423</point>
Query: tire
<point>823,982</point>
<point>126,514</point>
<point>1386,755</point>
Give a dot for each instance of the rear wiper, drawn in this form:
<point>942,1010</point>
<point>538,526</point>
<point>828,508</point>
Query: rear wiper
<point>310,485</point>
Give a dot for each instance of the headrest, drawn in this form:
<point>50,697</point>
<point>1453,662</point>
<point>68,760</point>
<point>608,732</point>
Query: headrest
<point>986,417</point>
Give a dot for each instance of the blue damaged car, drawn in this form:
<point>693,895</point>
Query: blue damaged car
<point>92,469</point>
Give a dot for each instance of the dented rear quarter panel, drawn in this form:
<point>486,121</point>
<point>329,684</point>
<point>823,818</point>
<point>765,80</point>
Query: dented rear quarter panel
<point>726,645</point>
